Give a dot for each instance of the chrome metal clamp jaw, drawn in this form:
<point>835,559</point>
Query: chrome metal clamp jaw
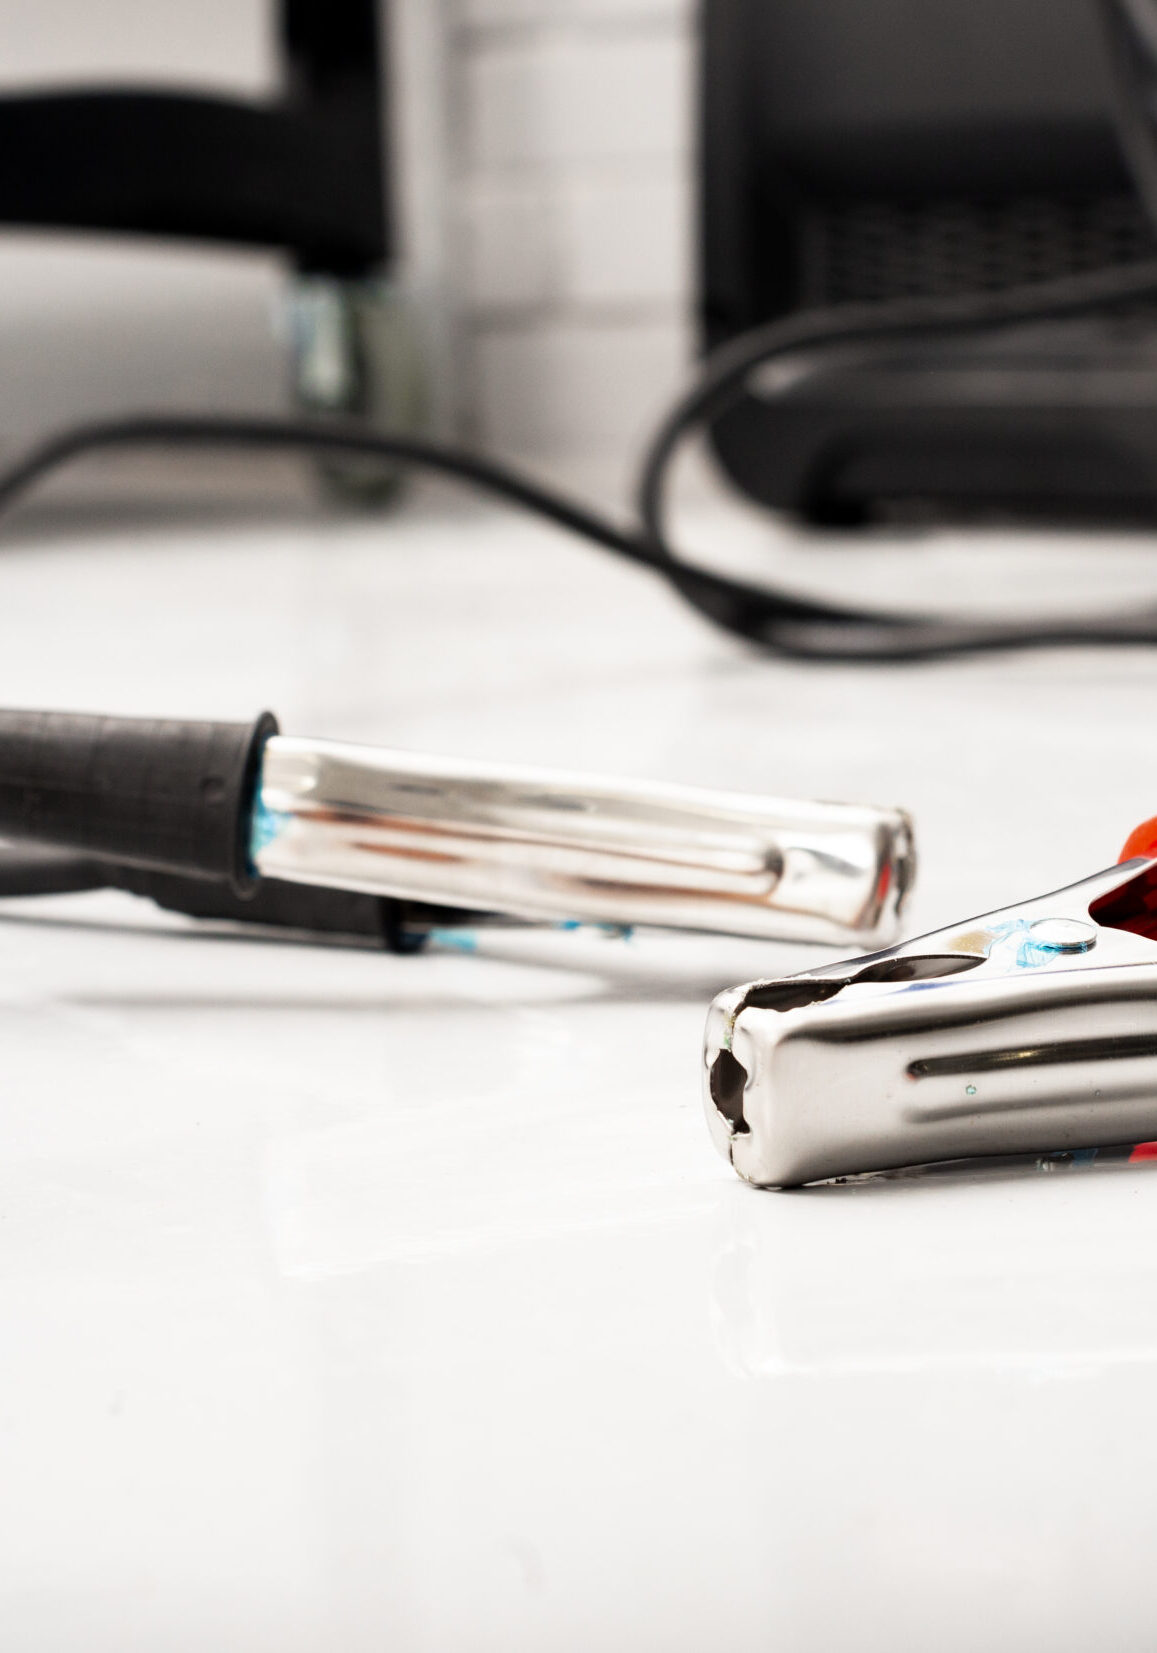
<point>1032,1029</point>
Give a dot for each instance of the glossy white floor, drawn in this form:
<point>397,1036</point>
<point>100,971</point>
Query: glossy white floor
<point>350,1302</point>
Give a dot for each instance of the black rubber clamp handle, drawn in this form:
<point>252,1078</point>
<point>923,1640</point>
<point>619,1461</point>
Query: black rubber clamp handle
<point>146,792</point>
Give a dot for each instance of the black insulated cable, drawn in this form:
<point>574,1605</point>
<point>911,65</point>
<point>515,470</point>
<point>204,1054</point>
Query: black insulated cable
<point>1129,29</point>
<point>318,436</point>
<point>311,909</point>
<point>778,620</point>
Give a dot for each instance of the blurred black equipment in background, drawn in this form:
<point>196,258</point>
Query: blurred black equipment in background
<point>996,352</point>
<point>303,173</point>
<point>864,151</point>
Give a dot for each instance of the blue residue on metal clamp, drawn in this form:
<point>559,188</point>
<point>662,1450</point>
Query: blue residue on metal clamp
<point>265,827</point>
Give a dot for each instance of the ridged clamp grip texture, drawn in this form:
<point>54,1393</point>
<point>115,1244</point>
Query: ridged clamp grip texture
<point>146,792</point>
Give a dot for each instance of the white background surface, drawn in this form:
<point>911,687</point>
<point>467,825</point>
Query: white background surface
<point>352,1302</point>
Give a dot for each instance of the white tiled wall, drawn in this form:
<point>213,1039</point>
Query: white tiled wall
<point>570,201</point>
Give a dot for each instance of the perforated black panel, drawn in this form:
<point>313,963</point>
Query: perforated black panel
<point>861,251</point>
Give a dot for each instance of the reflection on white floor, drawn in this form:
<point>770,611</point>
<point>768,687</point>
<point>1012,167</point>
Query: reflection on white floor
<point>355,1302</point>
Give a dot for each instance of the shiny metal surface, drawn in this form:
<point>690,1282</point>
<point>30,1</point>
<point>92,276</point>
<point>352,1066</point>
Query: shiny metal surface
<point>543,845</point>
<point>1029,1030</point>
